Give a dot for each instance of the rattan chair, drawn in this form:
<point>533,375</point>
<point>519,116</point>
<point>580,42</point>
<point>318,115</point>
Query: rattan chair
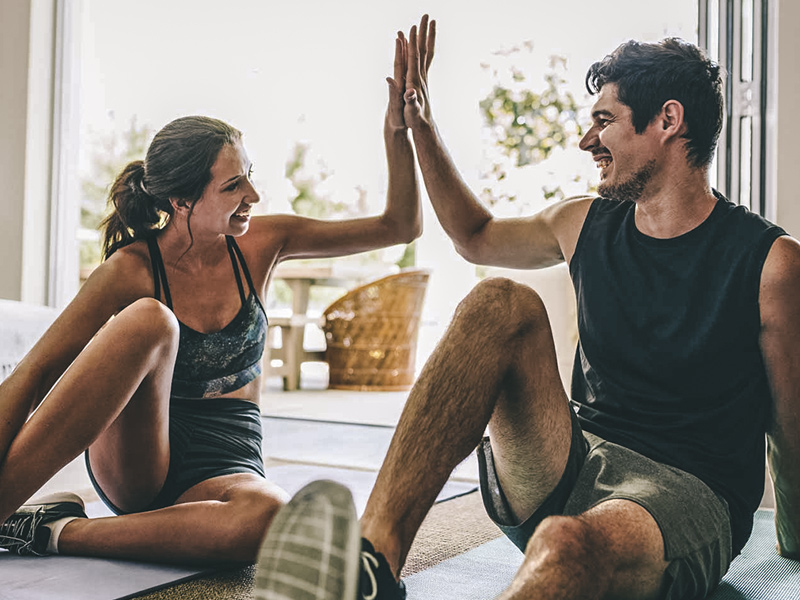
<point>371,333</point>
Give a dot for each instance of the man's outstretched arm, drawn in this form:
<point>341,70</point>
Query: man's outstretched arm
<point>779,302</point>
<point>540,240</point>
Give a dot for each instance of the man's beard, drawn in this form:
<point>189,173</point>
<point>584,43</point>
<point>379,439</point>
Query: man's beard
<point>632,189</point>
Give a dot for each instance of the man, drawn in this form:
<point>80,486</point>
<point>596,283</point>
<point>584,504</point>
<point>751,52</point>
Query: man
<point>644,483</point>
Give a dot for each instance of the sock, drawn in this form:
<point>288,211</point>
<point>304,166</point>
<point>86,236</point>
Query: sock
<point>55,532</point>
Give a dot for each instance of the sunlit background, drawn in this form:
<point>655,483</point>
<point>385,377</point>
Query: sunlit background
<point>305,82</point>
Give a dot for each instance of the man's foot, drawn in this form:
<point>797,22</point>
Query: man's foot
<point>377,579</point>
<point>26,532</point>
<point>311,548</point>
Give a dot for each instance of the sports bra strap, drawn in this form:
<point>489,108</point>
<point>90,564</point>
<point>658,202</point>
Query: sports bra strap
<point>159,272</point>
<point>232,244</point>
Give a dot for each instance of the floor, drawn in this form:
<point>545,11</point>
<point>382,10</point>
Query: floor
<point>313,401</point>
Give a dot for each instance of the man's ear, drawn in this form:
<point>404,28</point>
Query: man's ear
<point>671,119</point>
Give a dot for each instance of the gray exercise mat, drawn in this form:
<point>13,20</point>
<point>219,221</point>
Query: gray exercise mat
<point>326,442</point>
<point>74,578</point>
<point>337,444</point>
<point>293,477</point>
<point>484,572</point>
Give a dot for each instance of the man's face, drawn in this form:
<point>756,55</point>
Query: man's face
<point>626,159</point>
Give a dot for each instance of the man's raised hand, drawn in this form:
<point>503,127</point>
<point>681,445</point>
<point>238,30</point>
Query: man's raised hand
<point>419,57</point>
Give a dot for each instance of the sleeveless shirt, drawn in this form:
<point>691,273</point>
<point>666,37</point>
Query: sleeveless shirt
<point>216,363</point>
<point>668,361</point>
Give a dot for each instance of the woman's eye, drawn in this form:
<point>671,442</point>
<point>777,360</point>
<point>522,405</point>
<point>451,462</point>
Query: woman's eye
<point>232,187</point>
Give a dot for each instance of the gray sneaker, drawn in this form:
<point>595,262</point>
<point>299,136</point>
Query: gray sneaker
<point>312,548</point>
<point>26,532</point>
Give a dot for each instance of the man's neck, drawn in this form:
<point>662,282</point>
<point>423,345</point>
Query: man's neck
<point>672,208</point>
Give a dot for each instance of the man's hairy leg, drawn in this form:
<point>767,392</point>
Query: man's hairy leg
<point>612,551</point>
<point>496,361</point>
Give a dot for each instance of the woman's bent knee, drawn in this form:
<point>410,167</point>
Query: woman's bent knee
<point>246,520</point>
<point>150,320</point>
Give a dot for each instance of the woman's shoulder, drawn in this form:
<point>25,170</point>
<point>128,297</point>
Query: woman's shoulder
<point>126,274</point>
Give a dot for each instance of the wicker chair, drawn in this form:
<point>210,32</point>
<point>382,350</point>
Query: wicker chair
<point>371,333</point>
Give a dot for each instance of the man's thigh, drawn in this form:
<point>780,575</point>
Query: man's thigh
<point>664,524</point>
<point>694,522</point>
<point>530,430</point>
<point>543,491</point>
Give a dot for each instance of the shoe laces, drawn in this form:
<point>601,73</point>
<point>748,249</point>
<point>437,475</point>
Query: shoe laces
<point>368,563</point>
<point>16,533</point>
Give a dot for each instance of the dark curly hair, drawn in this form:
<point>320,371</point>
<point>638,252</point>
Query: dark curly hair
<point>649,74</point>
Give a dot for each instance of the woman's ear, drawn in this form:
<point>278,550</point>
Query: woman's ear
<point>179,204</point>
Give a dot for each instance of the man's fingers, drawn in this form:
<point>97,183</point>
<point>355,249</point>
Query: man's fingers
<point>423,42</point>
<point>431,44</point>
<point>410,98</point>
<point>413,57</point>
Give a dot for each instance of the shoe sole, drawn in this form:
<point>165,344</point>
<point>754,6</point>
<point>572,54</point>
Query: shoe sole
<point>312,548</point>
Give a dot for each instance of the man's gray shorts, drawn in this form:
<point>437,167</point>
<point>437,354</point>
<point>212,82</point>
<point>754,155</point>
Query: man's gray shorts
<point>694,521</point>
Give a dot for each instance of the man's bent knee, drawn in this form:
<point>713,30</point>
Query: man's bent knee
<point>503,305</point>
<point>569,538</point>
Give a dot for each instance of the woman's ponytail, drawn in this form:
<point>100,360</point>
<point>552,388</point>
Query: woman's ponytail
<point>134,212</point>
<point>178,165</point>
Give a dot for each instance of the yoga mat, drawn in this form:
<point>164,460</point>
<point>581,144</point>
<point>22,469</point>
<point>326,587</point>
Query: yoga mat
<point>293,477</point>
<point>483,573</point>
<point>75,578</point>
<point>337,444</point>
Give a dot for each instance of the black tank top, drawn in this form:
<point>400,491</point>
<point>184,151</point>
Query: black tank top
<point>668,361</point>
<point>211,364</point>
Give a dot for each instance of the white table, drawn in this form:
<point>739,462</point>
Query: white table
<point>301,278</point>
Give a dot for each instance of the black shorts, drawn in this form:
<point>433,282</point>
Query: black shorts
<point>208,437</point>
<point>694,521</point>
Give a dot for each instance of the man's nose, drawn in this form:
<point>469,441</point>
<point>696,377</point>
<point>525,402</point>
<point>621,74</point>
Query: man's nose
<point>589,140</point>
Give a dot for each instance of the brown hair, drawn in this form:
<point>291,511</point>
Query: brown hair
<point>177,165</point>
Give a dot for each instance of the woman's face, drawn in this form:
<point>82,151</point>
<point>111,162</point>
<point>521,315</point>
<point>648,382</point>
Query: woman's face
<point>224,207</point>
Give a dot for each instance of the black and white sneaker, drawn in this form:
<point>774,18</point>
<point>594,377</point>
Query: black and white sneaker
<point>377,579</point>
<point>311,548</point>
<point>26,532</point>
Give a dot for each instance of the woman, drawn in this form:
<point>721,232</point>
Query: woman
<point>164,396</point>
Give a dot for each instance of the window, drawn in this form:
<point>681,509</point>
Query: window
<point>735,34</point>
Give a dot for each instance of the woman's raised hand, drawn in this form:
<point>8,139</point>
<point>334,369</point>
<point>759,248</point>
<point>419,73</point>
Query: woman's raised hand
<point>397,85</point>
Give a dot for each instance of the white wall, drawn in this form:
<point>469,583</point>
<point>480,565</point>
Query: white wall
<point>26,109</point>
<point>14,37</point>
<point>782,119</point>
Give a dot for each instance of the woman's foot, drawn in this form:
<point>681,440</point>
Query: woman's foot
<point>28,531</point>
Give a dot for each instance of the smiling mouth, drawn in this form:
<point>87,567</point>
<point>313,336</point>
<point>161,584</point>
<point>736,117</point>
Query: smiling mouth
<point>243,214</point>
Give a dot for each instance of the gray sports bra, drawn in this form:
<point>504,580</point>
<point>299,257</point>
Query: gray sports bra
<point>211,364</point>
